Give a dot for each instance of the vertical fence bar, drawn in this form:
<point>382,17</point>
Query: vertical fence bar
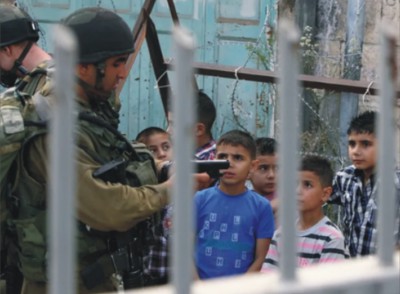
<point>288,146</point>
<point>184,119</point>
<point>61,189</point>
<point>386,148</point>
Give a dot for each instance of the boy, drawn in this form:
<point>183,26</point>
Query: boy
<point>206,113</point>
<point>156,262</point>
<point>157,141</point>
<point>234,225</point>
<point>263,178</point>
<point>354,187</point>
<point>319,240</point>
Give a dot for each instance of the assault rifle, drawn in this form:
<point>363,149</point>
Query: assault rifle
<point>211,167</point>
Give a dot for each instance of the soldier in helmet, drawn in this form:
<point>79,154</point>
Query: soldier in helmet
<point>19,53</point>
<point>118,193</point>
<point>22,64</point>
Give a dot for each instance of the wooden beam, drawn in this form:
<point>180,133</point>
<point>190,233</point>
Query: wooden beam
<point>131,60</point>
<point>174,14</point>
<point>306,81</point>
<point>139,34</point>
<point>175,19</point>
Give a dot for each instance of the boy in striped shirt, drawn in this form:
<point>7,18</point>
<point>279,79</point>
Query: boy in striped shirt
<point>318,239</point>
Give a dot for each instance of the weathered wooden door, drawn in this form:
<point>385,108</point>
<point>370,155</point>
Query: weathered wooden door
<point>234,30</point>
<point>224,31</point>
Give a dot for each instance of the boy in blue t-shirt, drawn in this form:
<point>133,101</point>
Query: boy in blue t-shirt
<point>234,225</point>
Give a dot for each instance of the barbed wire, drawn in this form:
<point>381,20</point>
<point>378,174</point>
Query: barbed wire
<point>324,121</point>
<point>235,83</point>
<point>236,108</point>
<point>367,92</point>
<point>339,159</point>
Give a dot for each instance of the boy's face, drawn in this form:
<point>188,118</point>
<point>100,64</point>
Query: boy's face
<point>240,164</point>
<point>362,151</point>
<point>263,177</point>
<point>160,145</point>
<point>311,195</point>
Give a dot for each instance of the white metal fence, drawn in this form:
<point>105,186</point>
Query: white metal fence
<point>373,274</point>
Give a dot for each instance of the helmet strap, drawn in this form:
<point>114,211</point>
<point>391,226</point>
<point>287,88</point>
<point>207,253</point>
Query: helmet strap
<point>100,73</point>
<point>8,78</point>
<point>18,67</point>
<point>94,95</point>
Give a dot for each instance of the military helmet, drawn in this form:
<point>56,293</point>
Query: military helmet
<point>101,34</point>
<point>16,26</point>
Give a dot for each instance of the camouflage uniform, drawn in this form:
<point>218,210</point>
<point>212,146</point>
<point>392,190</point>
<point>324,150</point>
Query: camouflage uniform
<point>16,108</point>
<point>110,206</point>
<point>102,205</point>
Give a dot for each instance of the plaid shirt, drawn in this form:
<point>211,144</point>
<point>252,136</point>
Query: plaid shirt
<point>155,260</point>
<point>359,209</point>
<point>207,151</point>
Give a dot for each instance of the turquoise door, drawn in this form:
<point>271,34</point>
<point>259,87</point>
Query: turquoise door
<point>224,30</point>
<point>233,28</point>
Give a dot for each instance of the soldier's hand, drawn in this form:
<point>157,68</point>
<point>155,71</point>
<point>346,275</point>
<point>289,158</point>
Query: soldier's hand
<point>202,181</point>
<point>160,164</point>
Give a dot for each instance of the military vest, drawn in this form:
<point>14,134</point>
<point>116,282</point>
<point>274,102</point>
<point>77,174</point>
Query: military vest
<point>110,146</point>
<point>18,121</point>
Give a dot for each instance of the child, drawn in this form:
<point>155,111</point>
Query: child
<point>263,178</point>
<point>157,141</point>
<point>319,240</point>
<point>156,263</point>
<point>206,113</point>
<point>234,225</point>
<point>354,187</point>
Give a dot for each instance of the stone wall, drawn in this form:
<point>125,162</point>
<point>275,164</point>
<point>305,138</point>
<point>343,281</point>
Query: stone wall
<point>383,12</point>
<point>330,32</point>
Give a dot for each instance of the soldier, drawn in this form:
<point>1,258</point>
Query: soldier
<point>117,190</point>
<point>19,53</point>
<point>22,64</point>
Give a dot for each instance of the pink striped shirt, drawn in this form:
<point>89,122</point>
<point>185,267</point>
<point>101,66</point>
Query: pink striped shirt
<point>323,242</point>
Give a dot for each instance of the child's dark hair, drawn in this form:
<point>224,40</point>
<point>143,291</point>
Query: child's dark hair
<point>363,123</point>
<point>266,146</point>
<point>147,132</point>
<point>320,166</point>
<point>239,138</point>
<point>206,111</point>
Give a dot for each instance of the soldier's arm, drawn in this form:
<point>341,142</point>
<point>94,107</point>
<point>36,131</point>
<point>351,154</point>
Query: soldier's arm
<point>113,206</point>
<point>100,205</point>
